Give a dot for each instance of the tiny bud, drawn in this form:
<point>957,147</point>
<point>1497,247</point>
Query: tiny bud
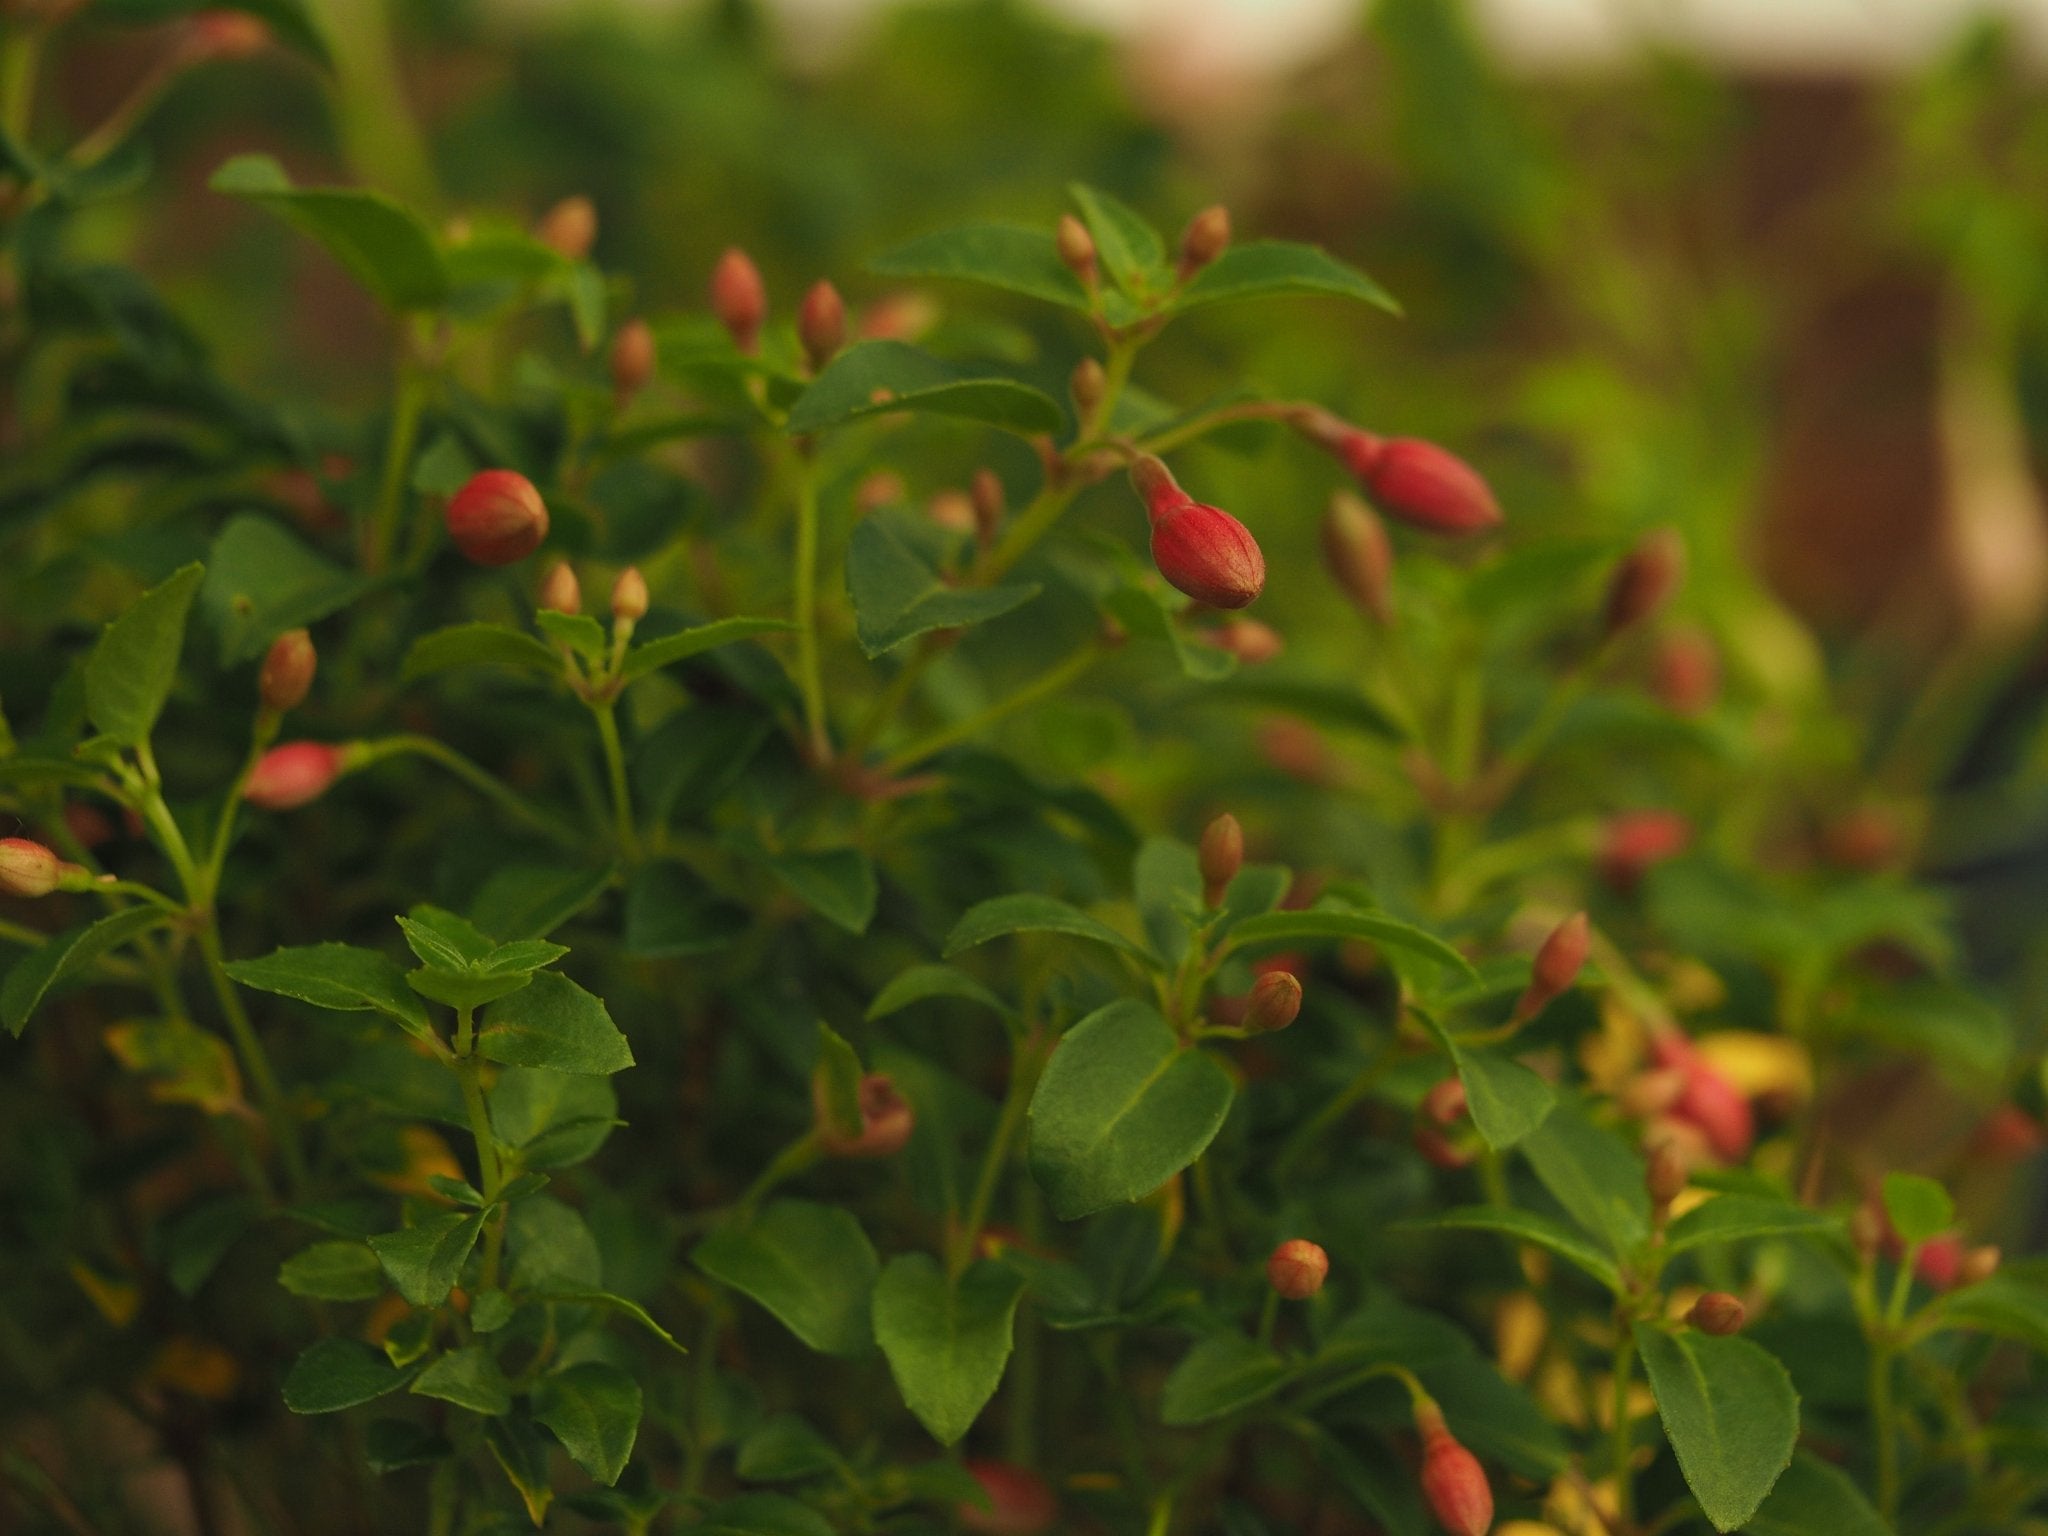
<point>1359,556</point>
<point>898,317</point>
<point>1666,1176</point>
<point>1019,1502</point>
<point>286,676</point>
<point>821,324</point>
<point>1251,642</point>
<point>1076,248</point>
<point>952,510</point>
<point>1423,485</point>
<point>1295,748</point>
<point>990,503</point>
<point>569,228</point>
<point>294,774</point>
<point>1636,840</point>
<point>1718,1313</point>
<point>1647,578</point>
<point>629,596</point>
<point>883,488</point>
<point>1978,1265</point>
<point>1453,1482</point>
<point>560,592</point>
<point>1086,385</point>
<point>632,360</point>
<point>1221,856</point>
<point>227,35</point>
<point>739,298</point>
<point>1686,674</point>
<point>1445,1102</point>
<point>885,1118</point>
<point>1298,1268</point>
<point>1439,1149</point>
<point>1939,1263</point>
<point>1201,550</point>
<point>497,517</point>
<point>1557,966</point>
<point>1207,234</point>
<point>1274,1003</point>
<point>28,868</point>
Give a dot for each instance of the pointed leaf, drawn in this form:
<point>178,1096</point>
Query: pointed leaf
<point>340,1373</point>
<point>479,645</point>
<point>131,669</point>
<point>384,245</point>
<point>836,883</point>
<point>1741,1218</point>
<point>685,643</point>
<point>66,958</point>
<point>877,377</point>
<point>1002,915</point>
<point>424,1261</point>
<point>1221,1374</point>
<point>810,1265</point>
<point>1730,1413</point>
<point>553,1023</point>
<point>1271,269</point>
<point>469,1378</point>
<point>922,982</point>
<point>594,1410</point>
<point>946,1341</point>
<point>1530,1227</point>
<point>1277,928</point>
<point>1025,261</point>
<point>337,976</point>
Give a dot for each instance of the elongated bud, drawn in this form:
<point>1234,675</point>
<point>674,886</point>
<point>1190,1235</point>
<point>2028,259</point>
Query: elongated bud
<point>1360,557</point>
<point>295,774</point>
<point>286,676</point>
<point>1207,234</point>
<point>1274,1002</point>
<point>1557,966</point>
<point>1221,856</point>
<point>1453,1482</point>
<point>1086,387</point>
<point>990,503</point>
<point>28,868</point>
<point>1717,1108</point>
<point>886,1122</point>
<point>1202,550</point>
<point>1634,841</point>
<point>1076,248</point>
<point>632,360</point>
<point>1445,1103</point>
<point>1423,485</point>
<point>1251,642</point>
<point>1978,1265</point>
<point>1647,578</point>
<point>739,298</point>
<point>1019,1502</point>
<point>560,591</point>
<point>569,228</point>
<point>1718,1313</point>
<point>1298,1268</point>
<point>497,517</point>
<point>821,324</point>
<point>1666,1177</point>
<point>629,596</point>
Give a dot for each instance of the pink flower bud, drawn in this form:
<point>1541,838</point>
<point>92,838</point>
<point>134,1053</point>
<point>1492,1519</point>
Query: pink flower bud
<point>1716,1107</point>
<point>1298,1268</point>
<point>1445,1103</point>
<point>1076,247</point>
<point>1940,1261</point>
<point>28,868</point>
<point>1019,1502</point>
<point>560,591</point>
<point>629,596</point>
<point>886,1122</point>
<point>1647,578</point>
<point>1718,1313</point>
<point>1251,642</point>
<point>1453,1482</point>
<point>286,676</point>
<point>1207,234</point>
<point>1636,840</point>
<point>739,298</point>
<point>1557,965</point>
<point>632,359</point>
<point>1220,856</point>
<point>821,324</point>
<point>1423,485</point>
<point>1274,1002</point>
<point>1359,556</point>
<point>569,228</point>
<point>294,774</point>
<point>1202,550</point>
<point>497,517</point>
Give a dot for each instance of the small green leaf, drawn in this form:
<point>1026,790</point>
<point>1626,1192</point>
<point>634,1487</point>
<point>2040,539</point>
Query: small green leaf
<point>392,1445</point>
<point>685,643</point>
<point>836,883</point>
<point>1594,1174</point>
<point>671,912</point>
<point>521,1451</point>
<point>785,1449</point>
<point>1730,1413</point>
<point>1814,1496</point>
<point>552,1119</point>
<point>337,976</point>
<point>1278,928</point>
<point>440,937</point>
<point>810,1265</point>
<point>462,989</point>
<point>553,1023</point>
<point>1919,1208</point>
<point>1741,1218</point>
<point>946,1340</point>
<point>1002,915</point>
<point>469,1378</point>
<point>553,1248</point>
<point>261,581</point>
<point>923,982</point>
<point>1025,261</point>
<point>66,958</point>
<point>384,245</point>
<point>1122,1106</point>
<point>479,645</point>
<point>1144,615</point>
<point>578,631</point>
<point>763,1514</point>
<point>594,1410</point>
<point>1271,269</point>
<point>838,1076</point>
<point>897,595</point>
<point>2005,1306</point>
<point>340,1373</point>
<point>129,674</point>
<point>530,901</point>
<point>876,377</point>
<point>424,1261</point>
<point>619,1304</point>
<point>1506,1099</point>
<point>1129,249</point>
<point>335,1271</point>
<point>1221,1374</point>
<point>1530,1227</point>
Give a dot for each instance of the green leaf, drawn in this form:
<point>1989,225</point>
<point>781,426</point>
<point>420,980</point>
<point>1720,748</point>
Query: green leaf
<point>131,669</point>
<point>1278,928</point>
<point>479,645</point>
<point>946,1340</point>
<point>392,1445</point>
<point>838,1075</point>
<point>837,883</point>
<point>1532,1227</point>
<point>519,1449</point>
<point>1919,1208</point>
<point>553,1023</point>
<point>340,1373</point>
<point>2004,1306</point>
<point>580,632</point>
<point>202,1236</point>
<point>1025,261</point>
<point>383,244</point>
<point>810,1265</point>
<point>1122,1106</point>
<point>424,1261</point>
<point>1272,269</point>
<point>1002,915</point>
<point>1594,1174</point>
<point>685,643</point>
<point>594,1410</point>
<point>552,1119</point>
<point>1730,1413</point>
<point>490,1310</point>
<point>1740,1218</point>
<point>670,912</point>
<point>620,1305</point>
<point>923,982</point>
<point>553,1248</point>
<point>897,595</point>
<point>530,901</point>
<point>1221,1374</point>
<point>876,377</point>
<point>261,581</point>
<point>463,989</point>
<point>66,958</point>
<point>1507,1100</point>
<point>1814,1497</point>
<point>785,1449</point>
<point>1128,248</point>
<point>337,976</point>
<point>763,1514</point>
<point>1144,615</point>
<point>469,1378</point>
<point>440,937</point>
<point>335,1271</point>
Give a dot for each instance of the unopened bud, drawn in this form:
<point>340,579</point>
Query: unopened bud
<point>1201,550</point>
<point>821,324</point>
<point>1359,556</point>
<point>560,592</point>
<point>739,298</point>
<point>883,488</point>
<point>1274,1003</point>
<point>629,596</point>
<point>1445,1103</point>
<point>2007,1135</point>
<point>1557,966</point>
<point>28,868</point>
<point>1713,1104</point>
<point>898,317</point>
<point>294,774</point>
<point>1019,1502</point>
<point>886,1122</point>
<point>1666,1176</point>
<point>286,676</point>
<point>1978,1265</point>
<point>1939,1261</point>
<point>1221,856</point>
<point>1718,1313</point>
<point>1076,248</point>
<point>1298,1268</point>
<point>1865,838</point>
<point>1686,674</point>
<point>497,517</point>
<point>1423,485</point>
<point>227,35</point>
<point>952,510</point>
<point>569,228</point>
<point>1634,841</point>
<point>1204,240</point>
<point>1453,1482</point>
<point>990,503</point>
<point>1251,642</point>
<point>1647,578</point>
<point>632,360</point>
<point>1086,386</point>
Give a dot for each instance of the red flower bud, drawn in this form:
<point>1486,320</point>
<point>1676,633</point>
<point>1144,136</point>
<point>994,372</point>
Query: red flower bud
<point>560,592</point>
<point>886,1122</point>
<point>1359,556</point>
<point>1298,1268</point>
<point>1207,234</point>
<point>1557,965</point>
<point>1251,642</point>
<point>28,868</point>
<point>1453,1482</point>
<point>569,228</point>
<point>1019,1502</point>
<point>739,298</point>
<point>2006,1135</point>
<point>1274,1002</point>
<point>1636,840</point>
<point>821,324</point>
<point>1687,674</point>
<point>1445,1103</point>
<point>1715,1106</point>
<point>1718,1313</point>
<point>1202,550</point>
<point>1423,485</point>
<point>632,360</point>
<point>1076,247</point>
<point>286,676</point>
<point>227,35</point>
<point>1647,578</point>
<point>1220,856</point>
<point>1865,838</point>
<point>1939,1261</point>
<point>497,517</point>
<point>629,596</point>
<point>294,774</point>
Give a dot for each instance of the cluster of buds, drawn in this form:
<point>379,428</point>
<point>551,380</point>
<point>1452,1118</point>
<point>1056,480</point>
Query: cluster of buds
<point>1297,1269</point>
<point>739,299</point>
<point>886,1121</point>
<point>1441,1110</point>
<point>1557,965</point>
<point>286,676</point>
<point>1017,1501</point>
<point>1417,482</point>
<point>1691,1101</point>
<point>1634,842</point>
<point>299,772</point>
<point>497,518</point>
<point>1202,550</point>
<point>1647,579</point>
<point>1453,1482</point>
<point>29,869</point>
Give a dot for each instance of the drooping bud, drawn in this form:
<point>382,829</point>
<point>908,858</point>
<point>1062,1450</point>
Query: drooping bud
<point>569,228</point>
<point>821,324</point>
<point>1718,1313</point>
<point>1274,1002</point>
<point>1445,1103</point>
<point>1086,386</point>
<point>1636,840</point>
<point>1076,248</point>
<point>886,1122</point>
<point>1019,1502</point>
<point>1298,1268</point>
<point>294,774</point>
<point>1453,1482</point>
<point>1979,1265</point>
<point>286,676</point>
<point>1647,578</point>
<point>1686,674</point>
<point>990,503</point>
<point>1666,1176</point>
<point>739,298</point>
<point>1205,238</point>
<point>1251,642</point>
<point>1359,556</point>
<point>497,517</point>
<point>560,591</point>
<point>1221,856</point>
<point>28,868</point>
<point>629,596</point>
<point>1423,485</point>
<point>632,360</point>
<point>1557,966</point>
<point>1202,550</point>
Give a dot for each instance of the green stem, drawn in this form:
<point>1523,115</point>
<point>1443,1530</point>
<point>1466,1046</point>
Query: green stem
<point>21,50</point>
<point>787,1164</point>
<point>1269,1315</point>
<point>406,409</point>
<point>1023,1079</point>
<point>255,1061</point>
<point>490,1167</point>
<point>818,745</point>
<point>1208,421</point>
<point>615,775</point>
<point>1883,1429</point>
<point>1623,1428</point>
<point>1052,682</point>
<point>477,778</point>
